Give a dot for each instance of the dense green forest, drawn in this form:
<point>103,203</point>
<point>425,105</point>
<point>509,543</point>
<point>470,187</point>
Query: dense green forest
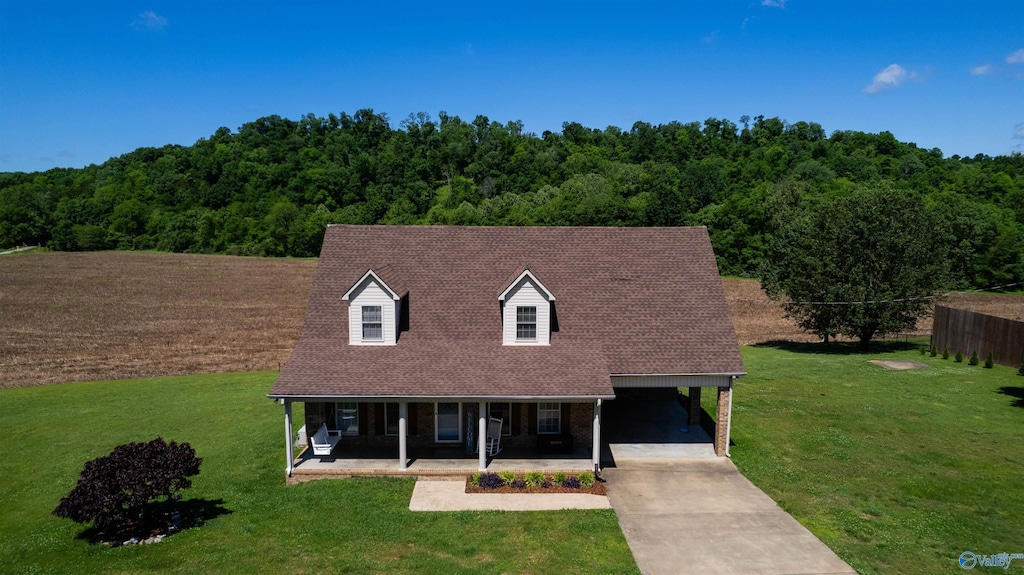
<point>272,187</point>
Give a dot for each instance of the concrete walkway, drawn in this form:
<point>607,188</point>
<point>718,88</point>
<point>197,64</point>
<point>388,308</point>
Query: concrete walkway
<point>450,495</point>
<point>702,516</point>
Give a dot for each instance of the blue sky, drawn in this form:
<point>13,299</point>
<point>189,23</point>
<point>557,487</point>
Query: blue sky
<point>83,81</point>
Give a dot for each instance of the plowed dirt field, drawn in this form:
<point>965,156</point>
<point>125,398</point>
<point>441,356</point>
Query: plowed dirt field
<point>116,315</point>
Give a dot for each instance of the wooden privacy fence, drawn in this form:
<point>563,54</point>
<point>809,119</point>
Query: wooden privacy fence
<point>967,331</point>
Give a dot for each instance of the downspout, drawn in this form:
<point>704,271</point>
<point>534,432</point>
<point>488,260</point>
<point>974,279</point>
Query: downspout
<point>728,422</point>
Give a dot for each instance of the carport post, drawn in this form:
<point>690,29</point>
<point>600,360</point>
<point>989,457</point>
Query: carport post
<point>288,436</point>
<point>597,436</point>
<point>403,427</point>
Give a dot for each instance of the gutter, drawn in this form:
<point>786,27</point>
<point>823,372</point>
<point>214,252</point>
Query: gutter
<point>733,374</point>
<point>431,398</point>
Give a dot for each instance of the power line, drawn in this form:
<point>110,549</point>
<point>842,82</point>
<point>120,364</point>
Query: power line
<point>897,300</point>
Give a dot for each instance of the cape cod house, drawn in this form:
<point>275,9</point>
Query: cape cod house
<point>412,332</point>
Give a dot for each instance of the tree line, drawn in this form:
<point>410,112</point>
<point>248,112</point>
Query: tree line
<point>271,188</point>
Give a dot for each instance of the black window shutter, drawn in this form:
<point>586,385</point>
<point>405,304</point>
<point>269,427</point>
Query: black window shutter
<point>412,419</point>
<point>363,416</point>
<point>517,423</point>
<point>378,418</point>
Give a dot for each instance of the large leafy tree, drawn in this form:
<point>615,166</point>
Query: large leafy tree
<point>859,265</point>
<point>272,187</point>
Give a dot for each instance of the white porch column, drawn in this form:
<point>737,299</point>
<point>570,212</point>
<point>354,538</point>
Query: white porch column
<point>597,436</point>
<point>288,446</point>
<point>481,438</point>
<point>403,428</point>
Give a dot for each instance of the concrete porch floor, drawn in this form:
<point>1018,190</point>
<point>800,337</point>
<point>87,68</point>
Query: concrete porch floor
<point>640,424</point>
<point>435,461</point>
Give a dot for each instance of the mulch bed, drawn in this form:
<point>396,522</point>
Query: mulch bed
<point>599,488</point>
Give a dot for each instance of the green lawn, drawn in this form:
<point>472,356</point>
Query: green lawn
<point>897,471</point>
<point>336,526</point>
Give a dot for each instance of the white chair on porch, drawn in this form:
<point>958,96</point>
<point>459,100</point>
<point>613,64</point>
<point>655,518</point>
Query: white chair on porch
<point>494,436</point>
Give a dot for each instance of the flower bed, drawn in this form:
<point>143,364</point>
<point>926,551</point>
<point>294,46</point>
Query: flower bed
<point>535,482</point>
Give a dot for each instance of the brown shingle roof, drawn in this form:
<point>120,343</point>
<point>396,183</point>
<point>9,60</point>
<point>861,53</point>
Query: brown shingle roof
<point>630,301</point>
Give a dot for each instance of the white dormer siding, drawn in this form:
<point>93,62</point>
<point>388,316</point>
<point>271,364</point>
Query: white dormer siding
<point>526,292</point>
<point>372,293</point>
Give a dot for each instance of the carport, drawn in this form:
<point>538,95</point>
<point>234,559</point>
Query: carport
<point>649,417</point>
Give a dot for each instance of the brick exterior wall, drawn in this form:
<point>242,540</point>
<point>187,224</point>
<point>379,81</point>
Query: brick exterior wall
<point>582,424</point>
<point>421,428</point>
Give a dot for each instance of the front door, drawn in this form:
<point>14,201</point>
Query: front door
<point>447,419</point>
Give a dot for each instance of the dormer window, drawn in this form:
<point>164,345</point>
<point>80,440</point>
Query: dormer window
<point>526,310</point>
<point>373,327</point>
<point>374,309</point>
<point>526,323</point>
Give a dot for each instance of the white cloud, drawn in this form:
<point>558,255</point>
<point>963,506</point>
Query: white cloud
<point>893,75</point>
<point>1016,58</point>
<point>1018,131</point>
<point>981,70</point>
<point>711,38</point>
<point>149,20</point>
<point>774,3</point>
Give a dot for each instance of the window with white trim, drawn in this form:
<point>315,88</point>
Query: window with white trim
<point>390,418</point>
<point>549,418</point>
<point>346,417</point>
<point>526,323</point>
<point>502,411</point>
<point>373,327</point>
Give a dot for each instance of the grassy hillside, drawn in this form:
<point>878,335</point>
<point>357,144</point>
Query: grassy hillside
<point>258,525</point>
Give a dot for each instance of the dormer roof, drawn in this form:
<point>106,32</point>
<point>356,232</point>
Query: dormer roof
<point>378,275</point>
<point>526,273</point>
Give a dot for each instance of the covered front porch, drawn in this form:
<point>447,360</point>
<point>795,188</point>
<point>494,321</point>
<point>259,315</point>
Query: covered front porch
<point>382,436</point>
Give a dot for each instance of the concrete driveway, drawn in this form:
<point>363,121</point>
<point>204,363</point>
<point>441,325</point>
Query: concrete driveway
<point>702,516</point>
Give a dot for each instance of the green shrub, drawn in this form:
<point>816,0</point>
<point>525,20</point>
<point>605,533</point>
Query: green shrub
<point>945,353</point>
<point>922,350</point>
<point>989,361</point>
<point>507,477</point>
<point>586,479</point>
<point>934,351</point>
<point>974,358</point>
<point>959,357</point>
<point>534,479</point>
<point>474,480</point>
<point>559,478</point>
<point>1021,370</point>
